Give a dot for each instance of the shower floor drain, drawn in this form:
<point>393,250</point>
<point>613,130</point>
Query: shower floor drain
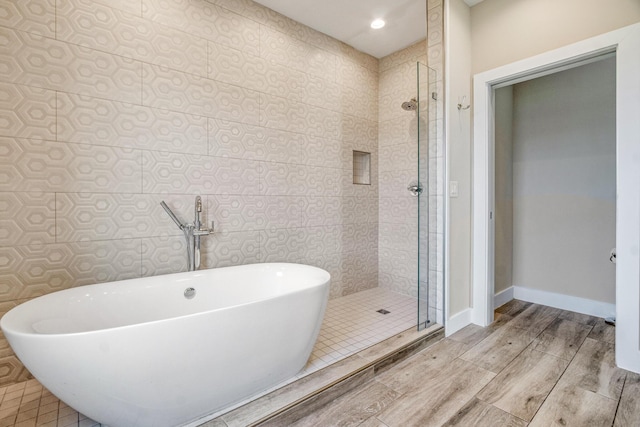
<point>383,311</point>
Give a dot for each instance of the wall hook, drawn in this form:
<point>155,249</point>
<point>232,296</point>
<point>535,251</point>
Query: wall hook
<point>461,102</point>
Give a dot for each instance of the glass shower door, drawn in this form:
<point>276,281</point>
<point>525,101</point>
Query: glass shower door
<point>427,202</point>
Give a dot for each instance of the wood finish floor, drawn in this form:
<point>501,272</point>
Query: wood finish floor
<point>534,366</point>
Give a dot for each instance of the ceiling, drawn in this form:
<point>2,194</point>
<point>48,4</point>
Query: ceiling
<point>350,20</point>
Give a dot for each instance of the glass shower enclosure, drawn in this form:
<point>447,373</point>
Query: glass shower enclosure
<point>428,197</point>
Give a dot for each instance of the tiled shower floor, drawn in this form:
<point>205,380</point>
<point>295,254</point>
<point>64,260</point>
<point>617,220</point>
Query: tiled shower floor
<point>351,324</point>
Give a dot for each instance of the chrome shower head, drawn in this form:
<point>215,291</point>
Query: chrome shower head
<point>410,105</point>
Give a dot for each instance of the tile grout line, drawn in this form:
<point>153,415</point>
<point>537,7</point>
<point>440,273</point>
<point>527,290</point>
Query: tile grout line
<point>508,364</point>
<point>615,414</point>
<point>563,372</point>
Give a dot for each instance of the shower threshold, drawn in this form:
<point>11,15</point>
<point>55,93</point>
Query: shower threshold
<point>293,401</point>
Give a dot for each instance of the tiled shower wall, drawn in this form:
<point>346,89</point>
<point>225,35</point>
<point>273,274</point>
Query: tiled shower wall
<point>108,107</point>
<point>398,139</point>
<point>398,150</point>
<point>437,161</point>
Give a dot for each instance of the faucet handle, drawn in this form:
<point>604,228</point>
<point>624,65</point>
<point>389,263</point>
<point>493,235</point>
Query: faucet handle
<point>204,231</point>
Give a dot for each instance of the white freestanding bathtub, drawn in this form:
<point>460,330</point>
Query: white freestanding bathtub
<point>144,352</point>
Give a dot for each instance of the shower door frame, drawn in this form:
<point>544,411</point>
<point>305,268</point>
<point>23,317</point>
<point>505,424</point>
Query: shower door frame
<point>625,42</point>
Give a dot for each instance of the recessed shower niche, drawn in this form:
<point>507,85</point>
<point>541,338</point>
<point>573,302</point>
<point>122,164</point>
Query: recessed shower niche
<point>361,168</point>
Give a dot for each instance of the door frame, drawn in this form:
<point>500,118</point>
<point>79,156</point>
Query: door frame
<point>625,42</point>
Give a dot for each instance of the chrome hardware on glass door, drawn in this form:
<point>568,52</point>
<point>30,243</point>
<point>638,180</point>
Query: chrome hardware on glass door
<point>415,189</point>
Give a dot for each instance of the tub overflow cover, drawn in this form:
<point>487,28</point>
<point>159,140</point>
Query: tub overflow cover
<point>189,293</point>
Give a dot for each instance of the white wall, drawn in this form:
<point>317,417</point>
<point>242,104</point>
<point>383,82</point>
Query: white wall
<point>503,188</point>
<point>564,172</point>
<point>500,32</point>
<point>507,30</point>
<point>458,140</point>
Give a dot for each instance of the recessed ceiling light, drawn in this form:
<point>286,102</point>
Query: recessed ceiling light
<point>376,24</point>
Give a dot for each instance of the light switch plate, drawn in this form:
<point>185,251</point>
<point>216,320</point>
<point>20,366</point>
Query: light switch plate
<point>453,188</point>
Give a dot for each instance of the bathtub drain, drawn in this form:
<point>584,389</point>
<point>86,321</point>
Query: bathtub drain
<point>189,293</point>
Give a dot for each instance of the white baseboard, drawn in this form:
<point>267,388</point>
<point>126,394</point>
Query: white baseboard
<point>457,322</point>
<point>564,302</point>
<point>503,297</point>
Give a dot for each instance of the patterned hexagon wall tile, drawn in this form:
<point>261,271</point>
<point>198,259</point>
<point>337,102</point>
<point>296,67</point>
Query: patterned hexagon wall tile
<point>88,120</point>
<point>248,9</point>
<point>302,33</point>
<point>402,77</point>
<point>35,165</point>
<point>390,105</point>
<point>233,66</point>
<point>188,93</point>
<point>85,23</point>
<point>394,208</point>
<point>227,249</point>
<point>436,181</point>
<point>410,54</point>
<point>27,111</point>
<point>402,156</point>
<point>286,50</point>
<point>356,210</point>
<point>30,271</point>
<point>206,20</point>
<point>281,179</point>
<point>244,141</point>
<point>323,181</point>
<point>349,189</point>
<point>11,369</point>
<point>401,235</point>
<point>164,255</point>
<point>362,133</point>
<point>101,216</point>
<point>322,152</point>
<point>435,212</point>
<point>363,104</point>
<point>402,263</point>
<point>236,213</point>
<point>27,218</point>
<point>133,7</point>
<point>321,240</point>
<point>320,210</point>
<point>33,16</point>
<point>284,114</point>
<point>399,130</point>
<point>393,183</point>
<point>435,254</point>
<point>360,58</point>
<point>282,212</point>
<point>435,60</point>
<point>362,237</point>
<point>352,74</point>
<point>169,173</point>
<point>305,34</point>
<point>359,271</point>
<point>320,92</point>
<point>392,282</point>
<point>283,245</point>
<point>104,261</point>
<point>34,60</point>
<point>331,262</point>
